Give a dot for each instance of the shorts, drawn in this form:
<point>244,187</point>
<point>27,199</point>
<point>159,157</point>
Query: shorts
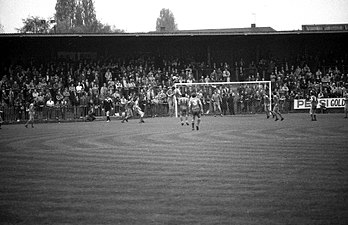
<point>216,105</point>
<point>196,113</point>
<point>31,116</point>
<point>122,108</point>
<point>183,112</point>
<point>138,111</point>
<point>276,109</point>
<point>141,113</point>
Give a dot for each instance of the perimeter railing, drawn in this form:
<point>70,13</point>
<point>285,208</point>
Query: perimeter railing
<point>79,113</point>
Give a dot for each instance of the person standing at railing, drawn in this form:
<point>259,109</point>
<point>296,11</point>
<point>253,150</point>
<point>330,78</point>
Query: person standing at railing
<point>63,107</point>
<point>216,99</point>
<point>162,97</point>
<point>230,101</point>
<point>238,100</point>
<point>50,106</point>
<point>1,120</point>
<point>227,75</point>
<point>257,102</point>
<point>346,104</point>
<point>170,100</point>
<point>75,101</point>
<point>40,100</point>
<point>224,103</point>
<point>83,104</point>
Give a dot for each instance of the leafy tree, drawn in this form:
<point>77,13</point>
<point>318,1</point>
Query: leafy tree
<point>34,25</point>
<point>72,16</point>
<point>79,16</point>
<point>65,10</point>
<point>89,15</point>
<point>166,21</point>
<point>65,15</point>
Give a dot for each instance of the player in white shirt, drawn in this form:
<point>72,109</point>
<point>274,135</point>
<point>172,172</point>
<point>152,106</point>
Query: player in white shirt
<point>266,102</point>
<point>216,99</point>
<point>123,108</point>
<point>137,109</point>
<point>183,104</point>
<point>196,108</point>
<point>31,111</point>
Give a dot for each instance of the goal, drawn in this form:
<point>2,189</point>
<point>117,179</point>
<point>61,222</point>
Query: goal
<point>236,97</point>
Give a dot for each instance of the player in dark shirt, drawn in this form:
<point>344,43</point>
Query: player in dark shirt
<point>276,111</point>
<point>107,107</point>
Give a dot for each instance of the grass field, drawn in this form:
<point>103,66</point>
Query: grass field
<point>234,170</point>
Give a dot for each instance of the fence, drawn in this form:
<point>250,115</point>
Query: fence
<point>75,113</point>
<point>246,107</point>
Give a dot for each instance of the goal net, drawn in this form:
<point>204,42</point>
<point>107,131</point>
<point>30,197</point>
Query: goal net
<point>232,97</point>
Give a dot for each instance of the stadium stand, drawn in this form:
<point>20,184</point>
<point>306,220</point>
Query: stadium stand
<point>78,86</point>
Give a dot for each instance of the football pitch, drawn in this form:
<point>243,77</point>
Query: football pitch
<point>234,170</point>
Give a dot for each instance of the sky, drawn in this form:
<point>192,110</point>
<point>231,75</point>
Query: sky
<point>141,15</point>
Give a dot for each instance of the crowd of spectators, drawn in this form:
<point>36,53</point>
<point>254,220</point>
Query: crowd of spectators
<point>86,83</point>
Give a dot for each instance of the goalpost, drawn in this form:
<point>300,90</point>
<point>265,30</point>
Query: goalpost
<point>253,88</point>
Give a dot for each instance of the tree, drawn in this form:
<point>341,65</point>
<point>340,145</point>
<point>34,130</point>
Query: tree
<point>88,11</point>
<point>65,10</point>
<point>65,15</point>
<point>166,21</point>
<point>34,25</point>
<point>79,16</point>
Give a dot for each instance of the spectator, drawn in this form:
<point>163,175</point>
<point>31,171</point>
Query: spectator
<point>79,89</point>
<point>108,75</point>
<point>50,106</point>
<point>227,75</point>
<point>103,91</point>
